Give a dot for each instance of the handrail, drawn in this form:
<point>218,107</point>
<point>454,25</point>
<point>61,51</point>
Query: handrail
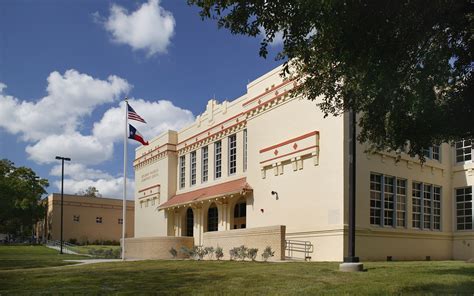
<point>305,247</point>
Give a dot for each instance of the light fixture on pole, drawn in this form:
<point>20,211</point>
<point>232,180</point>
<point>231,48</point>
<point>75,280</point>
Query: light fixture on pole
<point>62,196</point>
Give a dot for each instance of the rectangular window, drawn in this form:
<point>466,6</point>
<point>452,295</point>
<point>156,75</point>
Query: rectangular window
<point>204,164</point>
<point>192,162</point>
<point>182,171</point>
<point>426,200</point>
<point>375,198</point>
<point>232,154</point>
<point>120,221</point>
<point>387,200</point>
<point>98,220</point>
<point>432,152</point>
<point>464,208</point>
<point>76,218</point>
<point>401,202</point>
<point>463,150</point>
<point>217,160</point>
<point>245,150</point>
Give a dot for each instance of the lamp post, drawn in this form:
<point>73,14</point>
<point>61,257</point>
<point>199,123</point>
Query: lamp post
<point>62,195</point>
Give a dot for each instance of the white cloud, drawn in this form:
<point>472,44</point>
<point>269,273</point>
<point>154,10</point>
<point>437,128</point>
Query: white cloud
<point>148,28</point>
<point>70,97</point>
<point>160,116</point>
<point>80,148</point>
<point>77,171</point>
<point>112,188</point>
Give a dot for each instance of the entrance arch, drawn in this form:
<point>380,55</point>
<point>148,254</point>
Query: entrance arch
<point>212,218</point>
<point>240,214</point>
<point>189,222</point>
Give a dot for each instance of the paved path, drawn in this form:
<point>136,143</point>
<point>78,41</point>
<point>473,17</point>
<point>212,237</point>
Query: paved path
<point>93,261</point>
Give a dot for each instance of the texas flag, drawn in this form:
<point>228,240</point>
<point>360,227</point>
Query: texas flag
<point>135,135</point>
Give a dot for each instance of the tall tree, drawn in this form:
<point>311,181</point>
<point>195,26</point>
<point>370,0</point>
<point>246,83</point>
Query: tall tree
<point>405,66</point>
<point>20,194</point>
<point>90,191</point>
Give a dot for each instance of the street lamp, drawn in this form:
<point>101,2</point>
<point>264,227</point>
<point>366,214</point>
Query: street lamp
<point>62,195</point>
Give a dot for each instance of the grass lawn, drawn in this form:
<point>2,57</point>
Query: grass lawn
<point>18,257</point>
<point>213,277</point>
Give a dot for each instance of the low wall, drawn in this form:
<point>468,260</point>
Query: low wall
<point>155,247</point>
<point>260,238</point>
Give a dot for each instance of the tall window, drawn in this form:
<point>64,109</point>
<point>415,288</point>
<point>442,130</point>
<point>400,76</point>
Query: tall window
<point>464,208</point>
<point>182,171</point>
<point>189,222</point>
<point>212,218</point>
<point>205,164</point>
<point>432,152</point>
<point>192,163</point>
<point>426,209</point>
<point>387,200</point>
<point>232,154</point>
<point>245,150</point>
<point>217,160</point>
<point>463,150</point>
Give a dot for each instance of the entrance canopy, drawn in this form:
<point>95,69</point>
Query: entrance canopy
<point>238,186</point>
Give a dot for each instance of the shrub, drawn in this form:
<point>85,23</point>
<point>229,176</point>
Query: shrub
<point>252,253</point>
<point>242,252</point>
<point>187,252</point>
<point>219,253</point>
<point>200,252</point>
<point>173,252</point>
<point>233,253</point>
<point>267,253</point>
<point>210,252</point>
<point>73,241</point>
<point>117,253</point>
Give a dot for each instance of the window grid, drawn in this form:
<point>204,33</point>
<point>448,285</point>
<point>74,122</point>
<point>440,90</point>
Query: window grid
<point>416,204</point>
<point>464,208</point>
<point>98,220</point>
<point>205,164</point>
<point>76,218</point>
<point>192,166</point>
<point>182,171</point>
<point>120,221</point>
<point>232,154</point>
<point>463,150</point>
<point>217,160</point>
<point>389,199</point>
<point>426,206</point>
<point>437,208</point>
<point>433,152</point>
<point>401,202</point>
<point>245,150</point>
<point>375,198</point>
<point>427,194</point>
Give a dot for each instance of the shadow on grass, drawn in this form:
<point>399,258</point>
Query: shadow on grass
<point>459,288</point>
<point>467,271</point>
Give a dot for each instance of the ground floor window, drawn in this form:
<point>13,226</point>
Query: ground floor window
<point>464,208</point>
<point>212,218</point>
<point>426,206</point>
<point>189,222</point>
<point>387,200</point>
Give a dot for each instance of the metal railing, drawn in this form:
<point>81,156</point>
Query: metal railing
<point>67,247</point>
<point>296,246</point>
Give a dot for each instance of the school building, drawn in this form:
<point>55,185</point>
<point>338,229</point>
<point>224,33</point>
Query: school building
<point>85,219</point>
<point>268,169</point>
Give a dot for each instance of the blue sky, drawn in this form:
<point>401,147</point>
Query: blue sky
<point>66,65</point>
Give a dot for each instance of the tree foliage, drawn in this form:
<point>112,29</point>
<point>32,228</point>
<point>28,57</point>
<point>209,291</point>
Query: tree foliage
<point>90,191</point>
<point>405,66</point>
<point>20,194</point>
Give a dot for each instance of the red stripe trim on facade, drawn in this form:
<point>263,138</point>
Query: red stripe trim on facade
<point>266,92</point>
<point>157,185</point>
<point>289,141</point>
<point>136,164</point>
<point>157,148</point>
<point>283,155</point>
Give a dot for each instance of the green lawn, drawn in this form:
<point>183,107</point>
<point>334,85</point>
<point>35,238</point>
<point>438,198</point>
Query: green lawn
<point>231,278</point>
<point>19,257</point>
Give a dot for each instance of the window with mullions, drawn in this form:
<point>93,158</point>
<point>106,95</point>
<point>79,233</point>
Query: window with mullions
<point>463,150</point>
<point>433,152</point>
<point>182,171</point>
<point>387,200</point>
<point>464,208</point>
<point>232,154</point>
<point>245,150</point>
<point>426,206</point>
<point>192,163</point>
<point>217,160</point>
<point>98,220</point>
<point>76,218</point>
<point>204,164</point>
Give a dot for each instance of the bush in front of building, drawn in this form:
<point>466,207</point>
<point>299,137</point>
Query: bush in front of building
<point>252,253</point>
<point>173,252</point>
<point>219,253</point>
<point>267,253</point>
<point>105,253</point>
<point>209,252</point>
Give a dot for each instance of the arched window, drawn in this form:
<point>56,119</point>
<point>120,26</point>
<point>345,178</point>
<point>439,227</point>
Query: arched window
<point>240,215</point>
<point>189,222</point>
<point>212,218</point>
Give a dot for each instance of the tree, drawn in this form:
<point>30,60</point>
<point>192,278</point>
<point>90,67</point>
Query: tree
<point>20,194</point>
<point>90,191</point>
<point>405,66</point>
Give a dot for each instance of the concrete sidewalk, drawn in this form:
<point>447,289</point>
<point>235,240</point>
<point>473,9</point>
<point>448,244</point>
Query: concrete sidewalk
<point>93,261</point>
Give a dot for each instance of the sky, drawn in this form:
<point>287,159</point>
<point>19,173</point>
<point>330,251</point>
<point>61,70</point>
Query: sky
<point>66,67</point>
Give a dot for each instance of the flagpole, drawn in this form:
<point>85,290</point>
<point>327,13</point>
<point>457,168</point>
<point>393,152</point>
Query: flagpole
<point>124,207</point>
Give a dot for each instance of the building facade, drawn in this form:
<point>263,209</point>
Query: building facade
<point>86,219</point>
<point>268,159</point>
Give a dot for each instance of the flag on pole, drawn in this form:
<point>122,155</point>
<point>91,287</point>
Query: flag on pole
<point>133,115</point>
<point>135,135</point>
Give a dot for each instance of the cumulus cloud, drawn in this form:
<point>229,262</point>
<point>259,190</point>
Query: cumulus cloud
<point>77,171</point>
<point>148,28</point>
<point>112,188</point>
<point>160,116</point>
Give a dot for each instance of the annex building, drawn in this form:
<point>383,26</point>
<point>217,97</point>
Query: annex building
<point>85,219</point>
<point>268,169</point>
